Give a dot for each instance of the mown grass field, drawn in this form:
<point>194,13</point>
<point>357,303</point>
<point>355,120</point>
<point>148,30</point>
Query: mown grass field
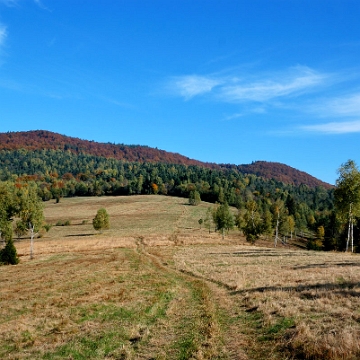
<point>156,286</point>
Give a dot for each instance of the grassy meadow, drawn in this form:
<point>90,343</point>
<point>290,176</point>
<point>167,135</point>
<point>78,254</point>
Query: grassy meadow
<point>157,286</point>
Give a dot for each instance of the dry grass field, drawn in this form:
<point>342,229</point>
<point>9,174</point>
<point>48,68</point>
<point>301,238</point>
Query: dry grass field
<point>156,286</point>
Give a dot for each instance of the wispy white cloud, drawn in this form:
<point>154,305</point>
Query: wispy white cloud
<point>265,92</point>
<point>233,116</point>
<point>335,127</point>
<point>40,4</point>
<point>192,85</point>
<point>14,3</point>
<point>291,83</point>
<point>242,87</point>
<point>3,34</point>
<point>345,106</point>
<point>344,110</point>
<point>9,3</point>
<point>248,111</point>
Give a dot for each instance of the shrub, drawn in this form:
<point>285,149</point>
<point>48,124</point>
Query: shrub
<point>47,227</point>
<point>101,220</point>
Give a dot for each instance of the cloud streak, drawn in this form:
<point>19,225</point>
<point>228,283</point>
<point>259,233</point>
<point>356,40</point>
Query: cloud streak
<point>193,85</point>
<point>3,34</point>
<point>240,89</point>
<point>268,91</point>
<point>345,110</point>
<point>346,106</point>
<point>335,127</point>
<point>9,3</point>
<point>299,81</point>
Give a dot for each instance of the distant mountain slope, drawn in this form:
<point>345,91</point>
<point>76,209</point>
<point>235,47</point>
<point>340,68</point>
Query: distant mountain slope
<point>41,139</point>
<point>281,172</point>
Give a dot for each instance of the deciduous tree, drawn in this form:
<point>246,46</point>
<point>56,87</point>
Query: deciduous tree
<point>252,226</point>
<point>194,198</point>
<point>30,212</point>
<point>347,197</point>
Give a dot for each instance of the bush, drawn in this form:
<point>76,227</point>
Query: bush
<point>101,220</point>
<point>47,227</point>
<point>63,223</point>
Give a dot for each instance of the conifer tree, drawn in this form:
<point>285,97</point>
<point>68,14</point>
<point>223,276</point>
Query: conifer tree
<point>223,218</point>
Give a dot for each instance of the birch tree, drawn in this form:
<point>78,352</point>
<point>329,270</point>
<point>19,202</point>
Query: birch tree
<point>347,198</point>
<point>31,212</point>
<point>253,223</point>
<point>277,209</point>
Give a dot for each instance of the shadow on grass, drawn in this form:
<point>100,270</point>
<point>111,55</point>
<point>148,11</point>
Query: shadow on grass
<point>344,288</point>
<point>325,265</point>
<point>263,252</point>
<point>76,235</point>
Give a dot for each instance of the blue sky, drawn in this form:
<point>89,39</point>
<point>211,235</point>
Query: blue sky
<point>226,81</point>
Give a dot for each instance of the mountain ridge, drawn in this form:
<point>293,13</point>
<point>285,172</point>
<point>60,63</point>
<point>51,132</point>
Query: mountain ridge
<point>43,139</point>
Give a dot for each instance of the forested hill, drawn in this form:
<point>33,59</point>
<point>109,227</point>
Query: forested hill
<point>281,172</point>
<point>40,139</point>
<point>46,140</point>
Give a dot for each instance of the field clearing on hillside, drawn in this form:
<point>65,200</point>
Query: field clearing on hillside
<point>156,286</point>
<point>153,220</point>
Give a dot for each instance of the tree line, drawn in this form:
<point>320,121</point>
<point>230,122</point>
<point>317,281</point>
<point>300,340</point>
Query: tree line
<point>264,206</point>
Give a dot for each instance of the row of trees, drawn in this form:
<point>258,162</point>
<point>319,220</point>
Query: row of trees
<point>335,229</point>
<point>264,206</point>
<point>21,211</point>
<point>251,221</point>
<point>64,174</point>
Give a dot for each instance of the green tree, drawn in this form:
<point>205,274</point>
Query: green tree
<point>20,228</point>
<point>318,242</point>
<point>252,226</point>
<point>347,197</point>
<point>223,218</point>
<point>208,219</point>
<point>267,223</point>
<point>101,220</point>
<point>194,198</point>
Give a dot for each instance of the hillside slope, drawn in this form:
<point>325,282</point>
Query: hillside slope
<point>40,139</point>
<point>281,172</point>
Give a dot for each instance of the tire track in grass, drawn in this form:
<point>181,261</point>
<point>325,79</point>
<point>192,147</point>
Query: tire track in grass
<point>231,338</point>
<point>192,324</point>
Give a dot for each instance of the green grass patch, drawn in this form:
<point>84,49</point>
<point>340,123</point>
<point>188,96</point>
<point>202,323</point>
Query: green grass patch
<point>277,329</point>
